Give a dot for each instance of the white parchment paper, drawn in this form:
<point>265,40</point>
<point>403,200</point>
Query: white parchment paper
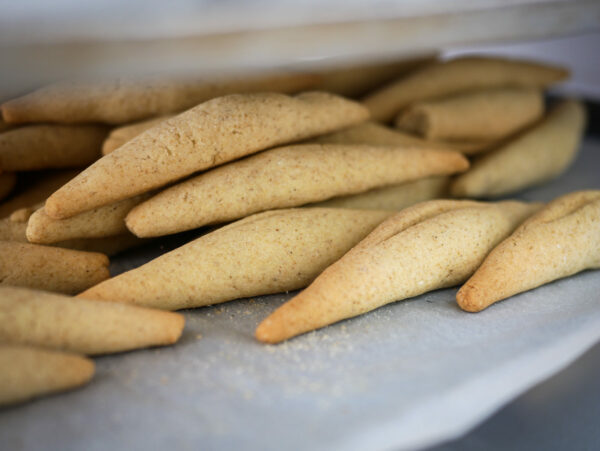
<point>406,376</point>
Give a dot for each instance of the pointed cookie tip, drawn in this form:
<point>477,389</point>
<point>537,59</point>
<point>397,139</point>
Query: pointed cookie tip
<point>54,208</point>
<point>177,326</point>
<point>265,332</point>
<point>467,299</point>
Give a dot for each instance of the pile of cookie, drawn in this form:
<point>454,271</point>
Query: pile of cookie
<point>317,191</point>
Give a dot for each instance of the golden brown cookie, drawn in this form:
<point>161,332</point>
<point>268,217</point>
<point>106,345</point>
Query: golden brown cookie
<point>28,372</point>
<point>560,240</point>
<point>108,220</point>
<point>126,100</point>
<point>120,135</point>
<point>50,147</point>
<point>458,75</point>
<point>431,245</point>
<point>38,186</point>
<point>393,197</point>
<point>539,154</point>
<point>377,134</point>
<point>208,135</point>
<point>14,229</point>
<point>23,214</point>
<point>79,325</point>
<point>269,252</point>
<point>285,177</point>
<point>485,115</point>
<point>50,268</point>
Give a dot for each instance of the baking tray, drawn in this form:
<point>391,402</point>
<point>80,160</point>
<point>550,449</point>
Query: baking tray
<point>408,375</point>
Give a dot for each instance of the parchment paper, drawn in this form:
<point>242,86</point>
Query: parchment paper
<point>408,375</point>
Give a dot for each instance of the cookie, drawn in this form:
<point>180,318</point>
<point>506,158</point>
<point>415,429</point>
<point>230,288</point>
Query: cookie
<point>463,74</point>
<point>125,100</point>
<point>108,220</point>
<point>269,252</point>
<point>50,147</point>
<point>76,325</point>
<point>377,134</point>
<point>560,240</point>
<point>485,115</point>
<point>429,246</point>
<point>393,197</point>
<point>120,135</point>
<point>539,154</point>
<point>23,214</point>
<point>37,187</point>
<point>285,177</point>
<point>50,268</point>
<point>14,228</point>
<point>208,135</point>
<point>28,372</point>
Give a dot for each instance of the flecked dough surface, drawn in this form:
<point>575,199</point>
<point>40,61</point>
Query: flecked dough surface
<point>489,114</point>
<point>120,135</point>
<point>377,134</point>
<point>431,245</point>
<point>393,197</point>
<point>37,190</point>
<point>208,135</point>
<point>108,220</point>
<point>539,154</point>
<point>560,240</point>
<point>269,252</point>
<point>27,372</point>
<point>14,228</point>
<point>79,325</point>
<point>285,177</point>
<point>125,100</point>
<point>458,75</point>
<point>50,268</point>
<point>50,147</point>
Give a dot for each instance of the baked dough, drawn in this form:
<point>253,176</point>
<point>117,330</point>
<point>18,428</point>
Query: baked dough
<point>560,240</point>
<point>540,154</point>
<point>485,115</point>
<point>108,220</point>
<point>120,135</point>
<point>393,197</point>
<point>27,372</point>
<point>50,268</point>
<point>269,252</point>
<point>125,100</point>
<point>14,227</point>
<point>285,177</point>
<point>208,135</point>
<point>377,134</point>
<point>78,325</point>
<point>50,147</point>
<point>431,245</point>
<point>458,75</point>
<point>38,186</point>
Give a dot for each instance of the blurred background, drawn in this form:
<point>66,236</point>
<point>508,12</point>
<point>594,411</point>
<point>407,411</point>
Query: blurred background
<point>66,39</point>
